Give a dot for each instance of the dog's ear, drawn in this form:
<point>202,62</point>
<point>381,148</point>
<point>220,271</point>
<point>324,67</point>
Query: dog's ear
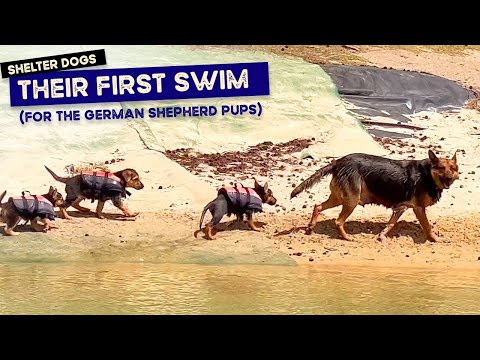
<point>454,158</point>
<point>265,187</point>
<point>256,184</point>
<point>433,158</point>
<point>129,175</point>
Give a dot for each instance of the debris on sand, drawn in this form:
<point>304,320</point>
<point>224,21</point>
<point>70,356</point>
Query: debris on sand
<point>74,169</point>
<point>262,159</point>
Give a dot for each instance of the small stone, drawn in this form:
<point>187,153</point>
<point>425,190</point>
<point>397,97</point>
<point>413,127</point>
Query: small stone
<point>87,235</point>
<point>160,187</point>
<point>310,259</point>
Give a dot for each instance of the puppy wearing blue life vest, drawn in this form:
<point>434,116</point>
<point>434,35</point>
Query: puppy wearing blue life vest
<point>38,209</point>
<point>239,201</point>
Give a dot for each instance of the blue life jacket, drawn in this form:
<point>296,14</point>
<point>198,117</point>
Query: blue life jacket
<point>102,185</point>
<point>31,206</point>
<point>243,198</point>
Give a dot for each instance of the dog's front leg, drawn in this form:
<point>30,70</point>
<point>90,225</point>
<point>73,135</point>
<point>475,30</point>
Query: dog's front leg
<point>63,210</point>
<point>49,225</point>
<point>251,223</point>
<point>64,214</point>
<point>427,228</point>
<point>37,226</point>
<point>118,202</point>
<point>76,204</point>
<point>99,209</point>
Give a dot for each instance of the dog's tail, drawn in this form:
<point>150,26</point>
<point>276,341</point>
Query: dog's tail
<point>205,209</point>
<point>55,176</point>
<point>312,180</point>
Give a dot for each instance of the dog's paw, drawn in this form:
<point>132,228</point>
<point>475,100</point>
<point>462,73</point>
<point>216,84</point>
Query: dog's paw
<point>132,214</point>
<point>382,238</point>
<point>434,238</point>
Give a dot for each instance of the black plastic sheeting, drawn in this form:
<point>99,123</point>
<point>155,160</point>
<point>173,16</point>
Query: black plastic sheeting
<point>395,93</point>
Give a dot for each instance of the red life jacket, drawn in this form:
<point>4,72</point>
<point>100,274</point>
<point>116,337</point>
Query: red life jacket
<point>31,206</point>
<point>243,198</point>
<point>100,184</point>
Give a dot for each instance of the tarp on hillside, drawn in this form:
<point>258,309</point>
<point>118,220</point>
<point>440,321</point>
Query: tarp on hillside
<point>395,93</point>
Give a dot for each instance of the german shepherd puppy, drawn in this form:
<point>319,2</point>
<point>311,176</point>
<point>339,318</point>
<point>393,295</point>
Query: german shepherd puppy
<point>360,179</point>
<point>11,216</point>
<point>76,192</point>
<point>222,205</point>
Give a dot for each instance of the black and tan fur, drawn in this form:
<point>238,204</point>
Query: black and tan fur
<point>11,217</point>
<point>221,206</point>
<point>74,193</point>
<point>360,179</point>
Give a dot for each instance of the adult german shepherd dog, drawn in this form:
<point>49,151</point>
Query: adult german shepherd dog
<point>360,179</point>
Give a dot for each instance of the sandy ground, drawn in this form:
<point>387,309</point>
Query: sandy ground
<point>154,234</point>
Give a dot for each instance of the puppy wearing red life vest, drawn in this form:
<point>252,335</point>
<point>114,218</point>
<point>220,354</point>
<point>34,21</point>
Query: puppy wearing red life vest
<point>238,201</point>
<point>39,209</point>
<point>101,186</point>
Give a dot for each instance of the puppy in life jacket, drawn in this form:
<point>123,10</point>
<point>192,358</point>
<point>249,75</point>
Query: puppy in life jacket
<point>101,186</point>
<point>239,201</point>
<point>38,209</point>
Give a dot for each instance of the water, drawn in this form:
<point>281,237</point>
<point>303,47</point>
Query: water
<point>122,288</point>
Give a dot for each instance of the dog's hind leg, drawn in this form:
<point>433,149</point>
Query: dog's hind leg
<point>332,201</point>
<point>218,209</point>
<point>397,213</point>
<point>210,226</point>
<point>10,226</point>
<point>347,210</point>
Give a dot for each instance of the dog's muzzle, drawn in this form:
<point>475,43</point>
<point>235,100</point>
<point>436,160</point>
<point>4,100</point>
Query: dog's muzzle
<point>447,182</point>
<point>272,201</point>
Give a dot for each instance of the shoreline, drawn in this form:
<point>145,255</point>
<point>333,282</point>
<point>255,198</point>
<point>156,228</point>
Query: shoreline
<point>168,237</point>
